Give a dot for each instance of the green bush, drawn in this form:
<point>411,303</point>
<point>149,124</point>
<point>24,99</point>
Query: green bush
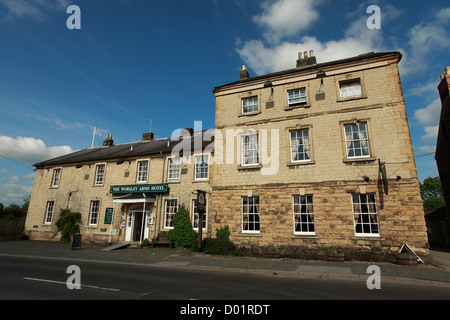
<point>182,234</point>
<point>67,224</point>
<point>221,244</point>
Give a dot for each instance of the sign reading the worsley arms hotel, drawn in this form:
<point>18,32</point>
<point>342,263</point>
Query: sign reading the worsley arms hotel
<point>294,165</point>
<point>147,188</point>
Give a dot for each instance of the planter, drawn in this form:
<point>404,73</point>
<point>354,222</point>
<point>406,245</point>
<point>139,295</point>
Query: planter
<point>335,256</point>
<point>406,259</point>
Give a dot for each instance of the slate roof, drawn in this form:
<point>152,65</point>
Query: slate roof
<point>121,151</point>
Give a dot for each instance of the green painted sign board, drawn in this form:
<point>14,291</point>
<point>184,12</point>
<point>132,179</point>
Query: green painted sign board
<point>76,242</point>
<point>140,188</point>
<point>109,215</point>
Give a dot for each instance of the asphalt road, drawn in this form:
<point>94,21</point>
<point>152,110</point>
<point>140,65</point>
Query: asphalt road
<point>24,278</point>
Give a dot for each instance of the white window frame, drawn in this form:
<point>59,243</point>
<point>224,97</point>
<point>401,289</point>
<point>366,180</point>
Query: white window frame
<point>303,214</point>
<point>99,178</point>
<point>297,96</point>
<point>195,216</point>
<point>350,89</point>
<point>142,172</point>
<point>355,140</point>
<point>170,209</point>
<point>94,212</point>
<point>49,210</point>
<point>173,169</point>
<point>250,147</point>
<point>248,105</point>
<point>56,177</point>
<point>250,216</point>
<point>305,147</point>
<point>201,167</point>
<point>364,212</point>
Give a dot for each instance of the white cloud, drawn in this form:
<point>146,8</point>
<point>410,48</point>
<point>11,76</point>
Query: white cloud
<point>427,149</point>
<point>16,188</point>
<point>30,150</point>
<point>430,114</point>
<point>35,9</point>
<point>431,133</point>
<point>266,59</point>
<point>285,18</point>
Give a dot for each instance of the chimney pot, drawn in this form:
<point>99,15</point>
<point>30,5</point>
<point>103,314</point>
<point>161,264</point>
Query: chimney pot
<point>108,142</point>
<point>306,60</point>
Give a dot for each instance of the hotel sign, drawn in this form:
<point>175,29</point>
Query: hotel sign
<point>141,188</point>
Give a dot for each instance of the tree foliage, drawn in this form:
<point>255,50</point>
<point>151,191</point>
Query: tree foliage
<point>182,234</point>
<point>68,224</point>
<point>431,192</point>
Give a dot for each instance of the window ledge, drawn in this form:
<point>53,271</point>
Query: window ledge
<point>304,236</point>
<point>368,159</point>
<point>303,163</point>
<point>249,114</point>
<point>350,99</point>
<point>368,238</point>
<point>297,106</point>
<point>250,167</point>
<point>254,235</point>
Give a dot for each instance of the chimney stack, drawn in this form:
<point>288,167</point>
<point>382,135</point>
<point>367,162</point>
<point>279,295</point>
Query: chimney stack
<point>244,73</point>
<point>304,60</point>
<point>147,136</point>
<point>108,142</point>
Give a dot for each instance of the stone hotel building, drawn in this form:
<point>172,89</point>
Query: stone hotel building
<point>303,160</point>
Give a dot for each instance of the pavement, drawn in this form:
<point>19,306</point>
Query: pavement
<point>434,274</point>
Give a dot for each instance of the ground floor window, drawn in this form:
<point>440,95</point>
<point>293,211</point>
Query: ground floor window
<point>169,213</point>
<point>303,214</point>
<point>250,214</point>
<point>93,215</point>
<point>49,212</point>
<point>365,214</point>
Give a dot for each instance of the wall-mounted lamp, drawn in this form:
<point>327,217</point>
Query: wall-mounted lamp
<point>321,74</point>
<point>119,161</point>
<point>79,166</point>
<point>398,178</point>
<point>366,179</point>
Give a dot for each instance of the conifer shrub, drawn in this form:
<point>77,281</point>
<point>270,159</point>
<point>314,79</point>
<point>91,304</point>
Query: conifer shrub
<point>182,234</point>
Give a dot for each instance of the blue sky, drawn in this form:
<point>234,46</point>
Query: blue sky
<point>139,59</point>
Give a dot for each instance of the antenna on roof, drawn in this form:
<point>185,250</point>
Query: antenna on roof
<point>150,124</point>
<point>93,136</point>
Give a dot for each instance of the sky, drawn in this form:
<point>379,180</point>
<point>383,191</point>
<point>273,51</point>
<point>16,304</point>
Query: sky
<point>133,60</point>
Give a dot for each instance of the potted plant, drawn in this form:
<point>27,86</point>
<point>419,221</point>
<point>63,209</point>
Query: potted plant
<point>335,254</point>
<point>272,252</point>
<point>406,258</point>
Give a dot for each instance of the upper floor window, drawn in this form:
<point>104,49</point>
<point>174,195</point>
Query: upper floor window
<point>350,89</point>
<point>201,167</point>
<point>250,105</point>
<point>300,145</point>
<point>142,171</point>
<point>357,140</point>
<point>99,174</point>
<point>56,177</point>
<point>249,150</point>
<point>297,96</point>
<point>174,169</point>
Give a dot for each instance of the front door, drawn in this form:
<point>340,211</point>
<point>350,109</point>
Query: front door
<point>136,229</point>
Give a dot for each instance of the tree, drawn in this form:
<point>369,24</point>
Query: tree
<point>431,192</point>
<point>67,224</point>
